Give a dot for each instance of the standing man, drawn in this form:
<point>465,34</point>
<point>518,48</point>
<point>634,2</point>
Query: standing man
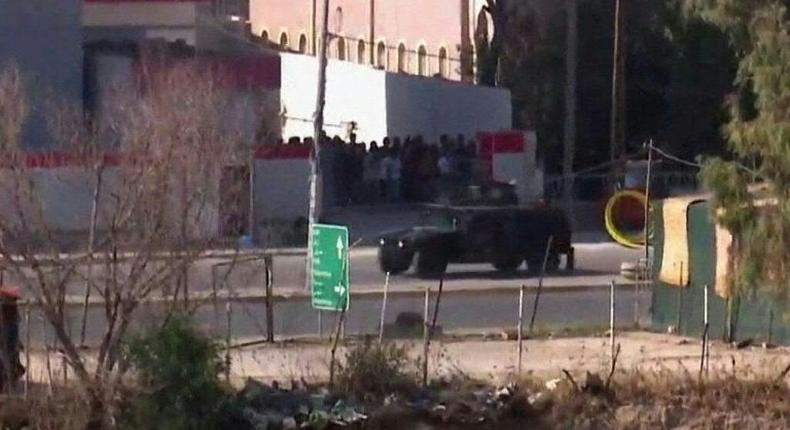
<point>393,167</point>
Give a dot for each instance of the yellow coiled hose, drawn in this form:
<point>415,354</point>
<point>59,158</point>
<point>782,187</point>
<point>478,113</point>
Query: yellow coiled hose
<point>635,240</point>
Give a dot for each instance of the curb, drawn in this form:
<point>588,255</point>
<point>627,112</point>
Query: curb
<point>258,296</point>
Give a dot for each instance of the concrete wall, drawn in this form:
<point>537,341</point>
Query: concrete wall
<point>44,39</point>
<point>136,20</point>
<point>353,93</point>
<point>250,83</point>
<point>281,189</point>
<point>62,200</point>
<point>196,23</point>
<point>387,104</point>
<point>432,107</point>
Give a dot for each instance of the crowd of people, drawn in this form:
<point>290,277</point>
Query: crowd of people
<point>395,169</point>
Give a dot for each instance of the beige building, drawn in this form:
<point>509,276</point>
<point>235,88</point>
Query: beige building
<point>420,37</point>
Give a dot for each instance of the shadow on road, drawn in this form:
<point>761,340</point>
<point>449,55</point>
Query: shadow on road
<point>518,274</point>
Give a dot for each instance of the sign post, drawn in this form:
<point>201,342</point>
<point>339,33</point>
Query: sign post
<point>329,271</point>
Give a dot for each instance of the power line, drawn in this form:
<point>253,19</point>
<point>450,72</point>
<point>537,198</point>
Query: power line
<point>674,158</point>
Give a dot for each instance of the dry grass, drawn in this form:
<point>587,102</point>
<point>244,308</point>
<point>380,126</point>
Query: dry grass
<point>666,399</point>
<point>62,410</point>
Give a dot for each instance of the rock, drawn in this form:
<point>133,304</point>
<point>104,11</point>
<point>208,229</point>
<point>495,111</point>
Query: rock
<point>459,413</point>
<point>407,324</point>
<point>541,401</point>
<point>744,343</point>
<point>552,384</point>
<point>512,334</point>
<point>505,393</point>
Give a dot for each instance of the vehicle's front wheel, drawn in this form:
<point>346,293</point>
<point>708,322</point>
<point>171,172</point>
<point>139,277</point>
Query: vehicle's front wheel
<point>394,264</point>
<point>430,264</point>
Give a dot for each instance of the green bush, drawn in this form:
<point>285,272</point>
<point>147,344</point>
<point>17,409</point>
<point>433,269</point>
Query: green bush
<point>372,372</point>
<point>177,373</point>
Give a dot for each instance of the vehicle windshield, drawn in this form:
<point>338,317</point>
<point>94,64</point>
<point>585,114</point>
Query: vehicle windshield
<point>439,218</point>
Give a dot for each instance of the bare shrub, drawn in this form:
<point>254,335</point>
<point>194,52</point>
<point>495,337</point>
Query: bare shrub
<point>370,372</point>
<point>158,150</point>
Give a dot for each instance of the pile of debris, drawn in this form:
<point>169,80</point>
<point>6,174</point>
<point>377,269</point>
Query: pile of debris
<point>269,407</point>
<point>591,403</point>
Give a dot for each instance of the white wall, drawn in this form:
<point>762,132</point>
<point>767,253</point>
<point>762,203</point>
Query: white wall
<point>432,107</point>
<point>63,198</point>
<point>353,93</point>
<point>387,104</point>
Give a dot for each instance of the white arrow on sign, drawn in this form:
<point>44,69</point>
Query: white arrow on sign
<point>340,290</point>
<point>339,248</point>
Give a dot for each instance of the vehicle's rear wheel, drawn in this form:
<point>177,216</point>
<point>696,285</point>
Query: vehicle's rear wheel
<point>534,264</point>
<point>431,264</point>
<point>553,262</point>
<point>507,264</point>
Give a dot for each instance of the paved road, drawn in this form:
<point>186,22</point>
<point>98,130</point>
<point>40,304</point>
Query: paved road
<point>459,310</point>
<point>597,264</point>
<point>476,297</point>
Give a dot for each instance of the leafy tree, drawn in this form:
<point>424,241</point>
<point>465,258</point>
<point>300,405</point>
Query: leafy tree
<point>677,75</point>
<point>758,135</point>
<point>490,52</point>
<point>702,67</point>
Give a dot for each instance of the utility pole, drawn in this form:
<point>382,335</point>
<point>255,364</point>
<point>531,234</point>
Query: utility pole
<point>617,132</point>
<point>372,53</point>
<point>313,19</point>
<point>569,135</point>
<point>318,121</point>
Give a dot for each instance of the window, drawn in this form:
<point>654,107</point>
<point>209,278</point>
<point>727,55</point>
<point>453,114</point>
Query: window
<point>303,44</point>
<point>401,58</point>
<point>265,36</point>
<point>338,20</point>
<point>381,56</point>
<point>422,57</point>
<point>361,52</point>
<point>443,62</point>
<point>284,41</point>
<point>341,49</point>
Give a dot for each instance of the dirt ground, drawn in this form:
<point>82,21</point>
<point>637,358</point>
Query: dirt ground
<point>656,382</point>
<point>496,360</point>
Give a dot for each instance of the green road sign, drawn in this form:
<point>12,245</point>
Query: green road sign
<point>329,270</point>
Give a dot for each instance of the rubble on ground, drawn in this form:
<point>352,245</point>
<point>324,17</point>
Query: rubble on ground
<point>558,403</point>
